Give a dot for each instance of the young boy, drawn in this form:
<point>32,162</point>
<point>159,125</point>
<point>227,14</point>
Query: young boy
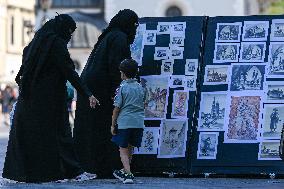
<point>128,117</point>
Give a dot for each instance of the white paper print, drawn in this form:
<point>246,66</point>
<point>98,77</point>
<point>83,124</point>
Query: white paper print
<point>269,150</point>
<point>167,67</point>
<point>216,75</point>
<point>150,37</point>
<point>228,32</point>
<point>245,76</point>
<point>173,138</point>
<point>161,53</point>
<point>180,104</point>
<point>176,52</point>
<point>149,144</point>
<point>226,52</point>
<point>191,67</point>
<point>164,28</point>
<point>212,111</point>
<point>178,27</point>
<point>252,51</point>
<point>190,83</point>
<point>274,92</point>
<point>177,39</point>
<point>243,123</point>
<point>156,96</point>
<point>273,121</point>
<point>207,145</point>
<point>177,81</point>
<point>137,46</point>
<point>255,30</point>
<point>277,30</point>
<point>276,60</point>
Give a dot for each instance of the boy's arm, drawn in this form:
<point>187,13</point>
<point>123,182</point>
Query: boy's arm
<point>115,114</point>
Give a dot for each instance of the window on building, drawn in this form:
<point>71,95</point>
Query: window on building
<point>76,3</point>
<point>12,30</point>
<point>173,11</point>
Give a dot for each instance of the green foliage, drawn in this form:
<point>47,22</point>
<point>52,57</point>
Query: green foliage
<point>276,7</point>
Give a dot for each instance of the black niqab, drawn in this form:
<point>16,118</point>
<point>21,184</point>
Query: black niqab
<point>35,54</point>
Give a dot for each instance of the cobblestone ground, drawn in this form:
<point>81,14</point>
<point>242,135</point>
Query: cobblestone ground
<point>143,182</point>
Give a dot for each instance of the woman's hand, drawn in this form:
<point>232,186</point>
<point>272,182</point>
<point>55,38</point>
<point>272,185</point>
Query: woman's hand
<point>93,101</point>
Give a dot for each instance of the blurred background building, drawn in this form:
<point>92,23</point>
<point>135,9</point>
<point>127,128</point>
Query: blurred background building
<point>20,18</point>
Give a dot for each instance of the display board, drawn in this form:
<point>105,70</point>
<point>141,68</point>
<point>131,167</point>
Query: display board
<point>167,50</point>
<point>241,95</point>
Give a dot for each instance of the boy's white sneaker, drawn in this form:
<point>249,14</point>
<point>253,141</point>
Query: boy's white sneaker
<point>85,177</point>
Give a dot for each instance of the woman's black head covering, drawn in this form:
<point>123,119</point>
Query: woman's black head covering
<point>36,53</point>
<point>125,20</point>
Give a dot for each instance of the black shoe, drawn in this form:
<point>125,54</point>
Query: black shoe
<point>128,179</point>
<point>119,174</point>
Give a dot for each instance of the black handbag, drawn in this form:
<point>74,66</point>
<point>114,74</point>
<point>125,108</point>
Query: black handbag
<point>281,147</point>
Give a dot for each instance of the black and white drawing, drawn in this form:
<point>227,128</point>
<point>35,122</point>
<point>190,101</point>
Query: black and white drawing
<point>207,145</point>
<point>274,92</point>
<point>273,121</point>
<point>164,28</point>
<point>269,150</point>
<point>177,81</point>
<point>150,37</point>
<point>190,82</point>
<point>255,30</point>
<point>247,77</point>
<point>176,52</point>
<point>277,30</point>
<point>252,52</point>
<point>226,52</point>
<point>191,67</point>
<point>173,138</point>
<point>228,32</point>
<point>177,39</point>
<point>149,144</point>
<point>276,60</point>
<point>161,53</point>
<point>167,67</point>
<point>212,111</point>
<point>216,75</point>
<point>178,27</point>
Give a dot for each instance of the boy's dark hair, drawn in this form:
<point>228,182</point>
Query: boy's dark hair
<point>129,67</point>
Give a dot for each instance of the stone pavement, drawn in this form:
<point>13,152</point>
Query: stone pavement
<point>142,182</point>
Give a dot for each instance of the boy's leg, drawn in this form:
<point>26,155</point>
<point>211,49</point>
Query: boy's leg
<point>131,149</point>
<point>124,156</point>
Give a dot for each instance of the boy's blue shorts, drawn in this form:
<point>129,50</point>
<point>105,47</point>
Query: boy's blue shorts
<point>125,137</point>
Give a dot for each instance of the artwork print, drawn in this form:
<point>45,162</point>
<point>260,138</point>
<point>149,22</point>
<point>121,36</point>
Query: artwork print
<point>137,46</point>
<point>177,81</point>
<point>226,52</point>
<point>273,121</point>
<point>150,37</point>
<point>276,60</point>
<point>157,91</point>
<point>180,104</point>
<point>149,144</point>
<point>178,27</point>
<point>177,40</point>
<point>173,138</point>
<point>212,111</point>
<point>269,150</point>
<point>277,30</point>
<point>207,145</point>
<point>228,32</point>
<point>191,66</point>
<point>164,28</point>
<point>176,52</point>
<point>247,77</point>
<point>190,82</point>
<point>274,92</point>
<point>255,30</point>
<point>243,123</point>
<point>252,51</point>
<point>216,75</point>
<point>167,67</point>
<point>161,53</point>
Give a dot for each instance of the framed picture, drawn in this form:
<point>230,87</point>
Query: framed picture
<point>177,39</point>
<point>274,92</point>
<point>161,53</point>
<point>149,144</point>
<point>150,37</point>
<point>177,81</point>
<point>157,92</point>
<point>255,30</point>
<point>216,75</point>
<point>164,28</point>
<point>277,30</point>
<point>226,52</point>
<point>173,138</point>
<point>191,67</point>
<point>167,67</point>
<point>176,52</point>
<point>178,27</point>
<point>269,150</point>
<point>276,60</point>
<point>190,82</point>
<point>180,104</point>
<point>228,32</point>
<point>252,52</point>
<point>207,145</point>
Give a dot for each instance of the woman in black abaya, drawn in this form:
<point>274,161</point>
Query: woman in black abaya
<point>96,152</point>
<point>40,147</point>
